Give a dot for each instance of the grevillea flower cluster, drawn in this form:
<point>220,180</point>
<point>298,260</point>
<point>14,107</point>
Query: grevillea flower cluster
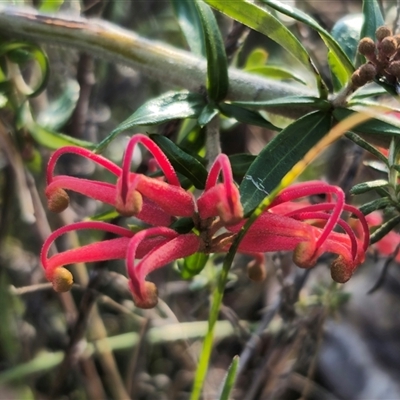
<point>290,223</point>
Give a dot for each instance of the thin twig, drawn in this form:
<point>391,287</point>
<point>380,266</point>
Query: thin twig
<point>252,344</point>
<point>384,271</point>
<point>132,366</point>
<point>96,328</point>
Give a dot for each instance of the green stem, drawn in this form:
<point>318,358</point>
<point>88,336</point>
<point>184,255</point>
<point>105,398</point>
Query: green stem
<point>108,41</point>
<point>205,355</point>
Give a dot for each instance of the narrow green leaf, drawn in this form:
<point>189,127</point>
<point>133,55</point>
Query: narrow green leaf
<point>377,166</point>
<point>193,265</point>
<point>368,91</point>
<point>257,58</point>
<point>286,101</point>
<point>374,130</point>
<point>230,378</point>
<point>169,106</point>
<point>261,20</point>
<point>378,204</point>
<point>246,116</point>
<point>368,186</point>
<point>337,58</point>
<point>54,140</point>
<point>105,216</point>
<point>190,24</point>
<point>217,64</point>
<point>346,32</point>
<point>366,146</point>
<point>45,137</point>
<point>275,72</point>
<point>280,155</point>
<point>373,18</point>
<point>50,6</point>
<point>207,114</point>
<point>384,229</point>
<point>183,162</point>
<point>58,112</point>
<point>39,56</point>
<point>42,362</point>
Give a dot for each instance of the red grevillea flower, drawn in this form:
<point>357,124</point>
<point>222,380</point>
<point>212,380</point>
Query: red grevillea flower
<point>150,199</point>
<point>217,215</point>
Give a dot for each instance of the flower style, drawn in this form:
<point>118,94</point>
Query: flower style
<point>217,214</point>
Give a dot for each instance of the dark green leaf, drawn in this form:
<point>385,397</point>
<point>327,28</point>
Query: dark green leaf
<point>230,378</point>
<point>193,265</point>
<point>384,229</point>
<point>261,20</point>
<point>365,145</point>
<point>280,155</point>
<point>217,64</point>
<point>208,113</point>
<point>246,116</point>
<point>19,56</point>
<point>190,24</point>
<point>183,225</point>
<point>378,204</point>
<point>240,164</point>
<point>193,140</point>
<point>182,162</point>
<point>373,19</point>
<point>169,106</point>
<point>368,186</point>
<point>337,58</point>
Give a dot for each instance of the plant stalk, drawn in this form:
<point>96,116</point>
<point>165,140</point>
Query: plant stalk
<point>160,61</point>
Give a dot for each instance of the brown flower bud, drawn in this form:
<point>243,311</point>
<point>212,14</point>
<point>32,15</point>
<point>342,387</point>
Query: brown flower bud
<point>394,69</point>
<point>303,255</point>
<point>256,271</point>
<point>356,79</point>
<point>367,72</point>
<point>57,200</point>
<point>132,206</point>
<point>366,47</point>
<point>341,272</point>
<point>382,32</point>
<point>364,74</point>
<point>62,280</point>
<point>397,39</point>
<point>150,299</point>
<point>387,47</point>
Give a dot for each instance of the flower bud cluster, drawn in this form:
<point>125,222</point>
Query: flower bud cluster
<point>383,58</point>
